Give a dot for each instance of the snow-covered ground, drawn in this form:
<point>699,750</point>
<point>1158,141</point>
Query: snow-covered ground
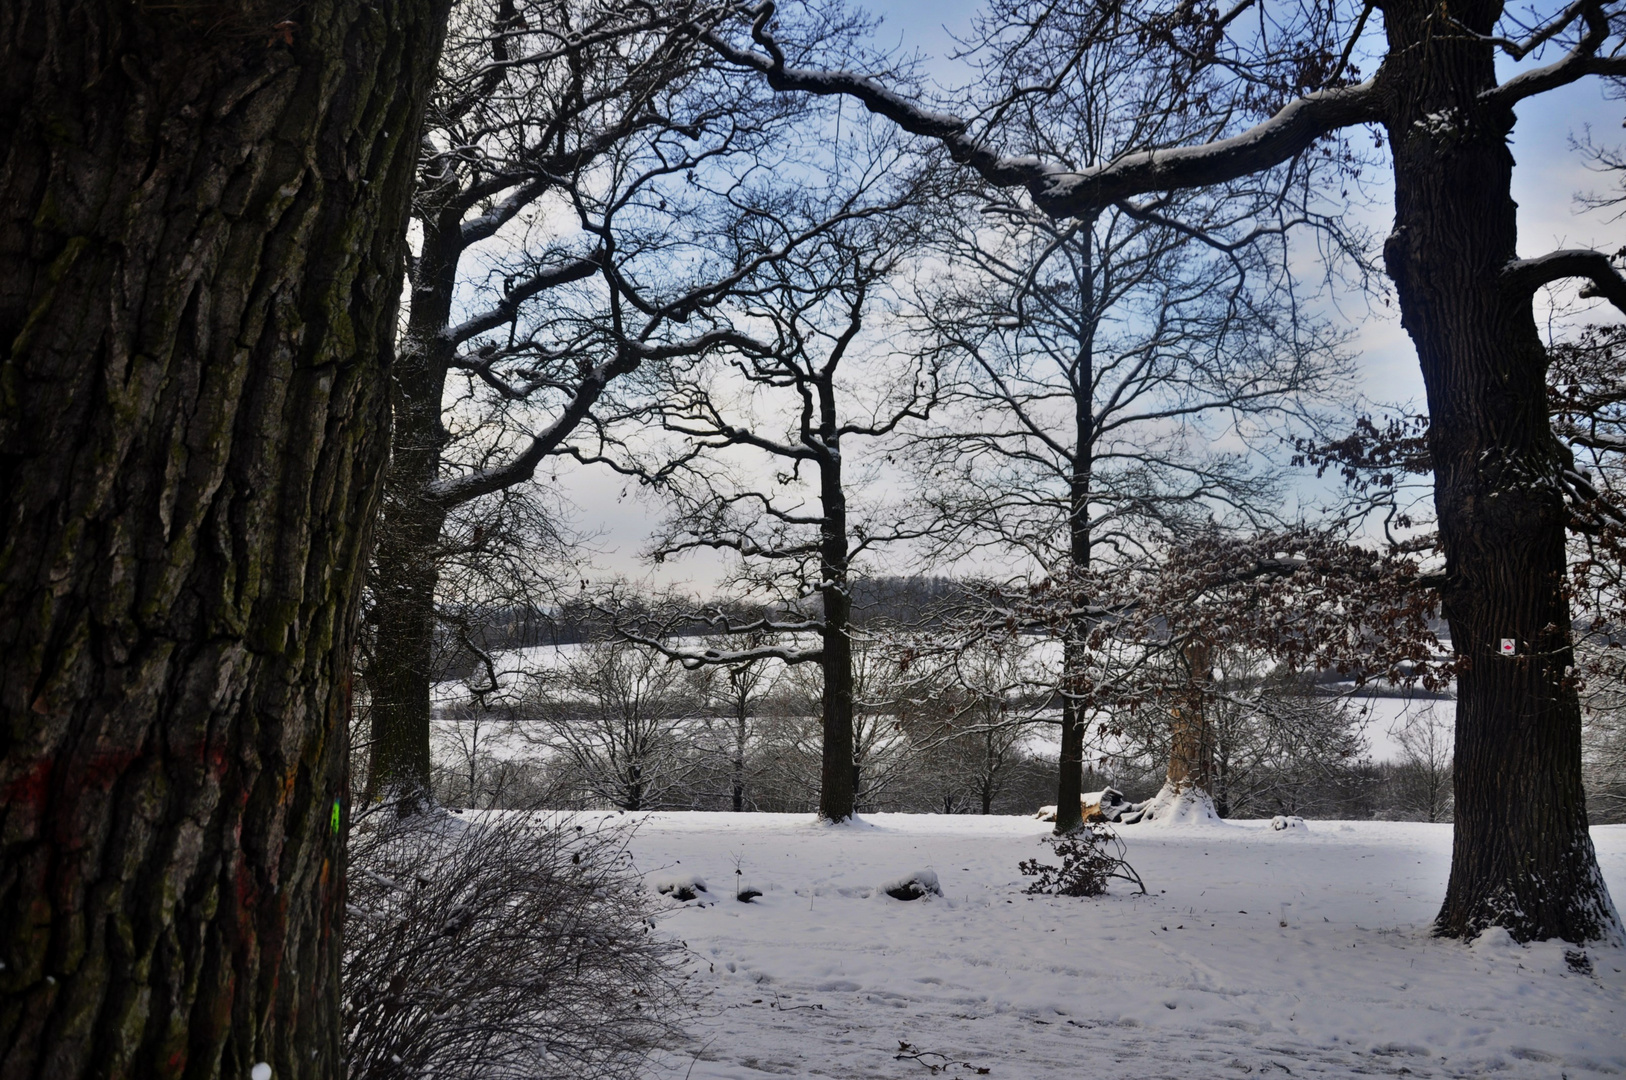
<point>824,975</point>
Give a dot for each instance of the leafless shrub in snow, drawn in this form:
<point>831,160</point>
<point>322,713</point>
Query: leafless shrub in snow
<point>503,946</point>
<point>1091,856</point>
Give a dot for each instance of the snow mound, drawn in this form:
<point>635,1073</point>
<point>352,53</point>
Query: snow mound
<point>1493,940</point>
<point>913,886</point>
<point>855,823</point>
<point>1193,806</point>
<point>685,888</point>
<point>1288,822</point>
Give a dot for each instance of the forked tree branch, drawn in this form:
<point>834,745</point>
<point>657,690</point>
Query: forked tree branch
<point>514,297</point>
<point>461,489</point>
<point>1579,62</point>
<point>948,129</point>
<point>709,657</point>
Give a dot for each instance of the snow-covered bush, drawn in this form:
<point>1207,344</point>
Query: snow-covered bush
<point>682,888</point>
<point>503,946</point>
<point>1090,856</point>
<point>913,886</point>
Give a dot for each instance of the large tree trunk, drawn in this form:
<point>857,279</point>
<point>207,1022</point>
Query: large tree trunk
<point>203,206</point>
<point>1522,856</point>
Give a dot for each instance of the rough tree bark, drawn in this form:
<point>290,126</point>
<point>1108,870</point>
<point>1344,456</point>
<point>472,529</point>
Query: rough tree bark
<point>201,215</point>
<point>408,561</point>
<point>1522,856</point>
<point>1191,743</point>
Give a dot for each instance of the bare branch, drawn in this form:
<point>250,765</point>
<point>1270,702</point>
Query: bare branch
<point>515,295</point>
<point>1525,276</point>
<point>711,657</point>
<point>1579,62</point>
<point>1061,192</point>
<point>946,128</point>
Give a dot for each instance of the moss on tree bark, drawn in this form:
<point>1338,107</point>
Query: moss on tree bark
<point>201,214</point>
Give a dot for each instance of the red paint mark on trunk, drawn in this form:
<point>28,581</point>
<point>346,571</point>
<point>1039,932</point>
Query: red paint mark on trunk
<point>29,789</point>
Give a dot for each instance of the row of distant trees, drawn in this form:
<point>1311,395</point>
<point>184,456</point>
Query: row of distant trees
<point>617,726</point>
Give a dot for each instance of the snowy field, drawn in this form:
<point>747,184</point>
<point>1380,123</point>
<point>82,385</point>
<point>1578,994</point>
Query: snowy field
<point>825,975</point>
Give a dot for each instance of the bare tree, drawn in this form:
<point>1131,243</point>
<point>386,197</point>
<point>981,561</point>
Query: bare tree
<point>737,690</point>
<point>481,762</point>
<point>1116,377</point>
<point>1604,755</point>
<point>1425,764</point>
<point>1522,856</point>
<point>969,732</point>
<point>588,181</point>
<point>789,404</point>
<point>1084,426</point>
<point>617,715</point>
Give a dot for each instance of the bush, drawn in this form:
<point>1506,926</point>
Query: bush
<point>1090,856</point>
<point>507,945</point>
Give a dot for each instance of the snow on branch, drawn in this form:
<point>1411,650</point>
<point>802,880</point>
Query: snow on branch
<point>1059,191</point>
<point>514,296</point>
<point>1525,276</point>
<point>1593,440</point>
<point>692,659</point>
<point>1294,129</point>
<point>718,622</point>
<point>948,129</point>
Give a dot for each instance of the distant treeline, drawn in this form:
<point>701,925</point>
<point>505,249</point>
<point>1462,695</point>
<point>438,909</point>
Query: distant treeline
<point>914,600</point>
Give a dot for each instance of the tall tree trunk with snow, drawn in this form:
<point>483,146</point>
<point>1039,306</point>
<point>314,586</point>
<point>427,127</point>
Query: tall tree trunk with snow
<point>1522,857</point>
<point>203,209</point>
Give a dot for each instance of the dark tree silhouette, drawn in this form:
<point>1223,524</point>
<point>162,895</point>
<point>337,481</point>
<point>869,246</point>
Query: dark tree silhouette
<point>202,208</point>
<point>796,537</point>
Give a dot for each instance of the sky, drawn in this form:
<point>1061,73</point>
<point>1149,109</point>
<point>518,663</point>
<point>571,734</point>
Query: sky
<point>1547,177</point>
